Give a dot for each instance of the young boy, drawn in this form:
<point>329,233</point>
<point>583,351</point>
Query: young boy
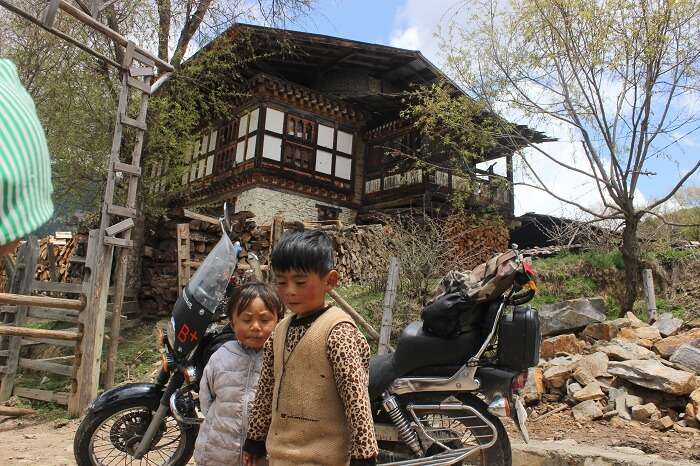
<point>312,405</point>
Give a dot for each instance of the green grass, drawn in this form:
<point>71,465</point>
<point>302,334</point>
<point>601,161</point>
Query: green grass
<point>44,410</point>
<point>138,352</point>
<point>569,260</point>
<point>604,259</point>
<point>663,305</point>
<point>577,286</point>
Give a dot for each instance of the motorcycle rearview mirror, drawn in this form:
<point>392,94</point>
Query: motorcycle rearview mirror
<point>225,220</point>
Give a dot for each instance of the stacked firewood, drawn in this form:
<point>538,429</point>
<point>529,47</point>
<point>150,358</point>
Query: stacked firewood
<point>58,258</point>
<point>476,238</point>
<point>361,252</point>
<point>160,268</point>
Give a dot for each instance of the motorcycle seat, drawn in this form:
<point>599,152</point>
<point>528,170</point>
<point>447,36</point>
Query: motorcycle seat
<point>416,350</point>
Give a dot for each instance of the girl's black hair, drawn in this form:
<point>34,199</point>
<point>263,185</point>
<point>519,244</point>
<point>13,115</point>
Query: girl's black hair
<point>307,251</point>
<point>247,293</point>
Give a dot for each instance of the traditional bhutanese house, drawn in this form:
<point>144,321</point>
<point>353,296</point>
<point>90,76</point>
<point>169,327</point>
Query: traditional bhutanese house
<point>311,139</point>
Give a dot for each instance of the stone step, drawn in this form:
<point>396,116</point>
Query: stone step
<point>571,453</point>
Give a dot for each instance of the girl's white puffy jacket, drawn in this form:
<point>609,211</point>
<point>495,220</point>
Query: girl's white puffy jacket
<point>226,392</point>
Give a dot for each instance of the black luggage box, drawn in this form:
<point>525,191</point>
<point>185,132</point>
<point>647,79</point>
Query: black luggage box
<point>519,339</point>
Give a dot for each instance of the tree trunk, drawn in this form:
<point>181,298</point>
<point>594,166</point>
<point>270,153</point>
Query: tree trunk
<point>631,253</point>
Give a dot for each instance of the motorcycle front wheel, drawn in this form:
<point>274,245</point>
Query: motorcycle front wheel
<point>456,430</point>
<point>110,436</point>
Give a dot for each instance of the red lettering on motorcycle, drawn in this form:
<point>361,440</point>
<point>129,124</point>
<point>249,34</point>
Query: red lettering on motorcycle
<point>193,336</point>
<point>184,333</point>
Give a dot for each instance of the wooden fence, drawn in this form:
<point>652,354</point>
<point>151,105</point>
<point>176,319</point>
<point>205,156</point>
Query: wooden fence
<point>27,301</point>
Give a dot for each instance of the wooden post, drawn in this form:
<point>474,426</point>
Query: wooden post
<point>115,323</point>
<point>91,325</point>
<point>277,230</point>
<point>28,266</point>
<point>388,308</point>
<point>183,255</point>
<point>51,259</point>
<point>648,280</point>
<point>344,305</point>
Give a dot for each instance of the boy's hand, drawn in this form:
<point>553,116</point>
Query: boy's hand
<point>249,460</point>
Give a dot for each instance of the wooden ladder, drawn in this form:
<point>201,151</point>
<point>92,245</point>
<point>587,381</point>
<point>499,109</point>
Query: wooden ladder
<point>117,223</point>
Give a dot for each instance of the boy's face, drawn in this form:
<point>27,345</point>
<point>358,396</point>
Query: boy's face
<point>254,324</point>
<point>304,292</point>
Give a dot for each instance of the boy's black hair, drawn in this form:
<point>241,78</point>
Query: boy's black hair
<point>308,251</point>
<point>245,295</point>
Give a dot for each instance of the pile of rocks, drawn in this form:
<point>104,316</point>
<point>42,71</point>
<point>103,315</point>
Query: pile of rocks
<point>622,368</point>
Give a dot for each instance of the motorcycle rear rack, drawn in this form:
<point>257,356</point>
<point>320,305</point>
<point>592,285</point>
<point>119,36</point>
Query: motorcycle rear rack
<point>450,456</point>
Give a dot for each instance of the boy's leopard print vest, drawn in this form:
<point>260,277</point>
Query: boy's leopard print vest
<point>308,420</point>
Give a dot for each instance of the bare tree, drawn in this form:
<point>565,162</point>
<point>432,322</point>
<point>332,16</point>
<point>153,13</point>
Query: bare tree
<point>623,76</point>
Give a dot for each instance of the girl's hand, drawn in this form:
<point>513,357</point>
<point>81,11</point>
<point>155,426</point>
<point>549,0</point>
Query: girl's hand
<point>249,460</point>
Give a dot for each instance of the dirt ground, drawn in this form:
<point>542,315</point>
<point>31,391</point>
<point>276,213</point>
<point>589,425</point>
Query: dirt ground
<point>32,441</point>
<point>613,433</point>
<point>38,442</point>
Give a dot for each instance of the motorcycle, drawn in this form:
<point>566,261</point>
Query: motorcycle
<point>435,401</point>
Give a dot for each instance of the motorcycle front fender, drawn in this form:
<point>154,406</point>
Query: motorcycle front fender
<point>128,392</point>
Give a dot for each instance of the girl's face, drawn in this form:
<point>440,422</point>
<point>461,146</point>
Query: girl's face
<point>254,324</point>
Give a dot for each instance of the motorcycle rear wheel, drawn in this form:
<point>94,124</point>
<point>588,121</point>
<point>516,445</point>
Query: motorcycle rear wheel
<point>108,437</point>
<point>471,432</point>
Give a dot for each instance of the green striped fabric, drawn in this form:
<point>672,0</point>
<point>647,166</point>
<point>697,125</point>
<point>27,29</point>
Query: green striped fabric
<point>25,168</point>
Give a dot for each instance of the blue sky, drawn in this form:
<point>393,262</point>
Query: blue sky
<point>412,23</point>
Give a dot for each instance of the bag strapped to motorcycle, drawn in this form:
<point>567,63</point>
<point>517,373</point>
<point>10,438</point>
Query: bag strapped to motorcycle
<point>456,308</point>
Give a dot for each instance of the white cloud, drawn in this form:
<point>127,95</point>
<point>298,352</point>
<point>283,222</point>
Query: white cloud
<point>408,38</point>
<point>416,23</point>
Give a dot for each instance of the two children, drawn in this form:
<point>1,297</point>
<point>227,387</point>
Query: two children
<point>312,405</point>
<point>230,378</point>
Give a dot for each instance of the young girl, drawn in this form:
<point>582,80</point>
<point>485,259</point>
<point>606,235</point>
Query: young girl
<point>230,378</point>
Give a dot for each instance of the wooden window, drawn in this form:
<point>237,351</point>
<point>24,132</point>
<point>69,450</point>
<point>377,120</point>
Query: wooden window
<point>343,167</point>
<point>344,142</point>
<point>301,143</point>
<point>298,156</point>
<point>325,136</point>
<point>274,120</point>
<point>212,141</point>
<point>300,129</point>
<point>326,212</point>
<point>324,161</point>
<point>272,148</point>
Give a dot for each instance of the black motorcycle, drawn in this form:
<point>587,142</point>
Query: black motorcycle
<point>435,401</point>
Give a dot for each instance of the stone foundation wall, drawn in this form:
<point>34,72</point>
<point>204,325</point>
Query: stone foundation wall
<point>266,203</point>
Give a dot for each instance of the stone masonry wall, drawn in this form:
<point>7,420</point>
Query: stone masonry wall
<point>265,203</point>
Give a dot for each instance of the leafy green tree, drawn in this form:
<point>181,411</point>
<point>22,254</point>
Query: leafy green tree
<point>76,94</point>
<point>621,74</point>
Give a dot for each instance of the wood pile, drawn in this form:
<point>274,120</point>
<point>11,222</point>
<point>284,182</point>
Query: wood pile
<point>362,252</point>
<point>55,264</point>
<point>477,238</point>
<point>159,282</point>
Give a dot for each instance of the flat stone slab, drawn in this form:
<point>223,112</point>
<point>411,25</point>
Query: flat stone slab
<point>570,315</point>
<point>571,453</point>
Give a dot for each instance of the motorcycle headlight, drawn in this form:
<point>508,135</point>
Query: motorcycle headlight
<point>170,332</point>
